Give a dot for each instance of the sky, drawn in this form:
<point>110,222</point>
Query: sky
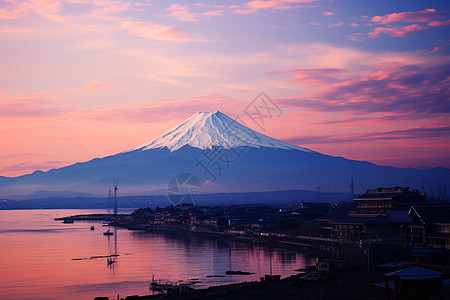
<point>365,80</point>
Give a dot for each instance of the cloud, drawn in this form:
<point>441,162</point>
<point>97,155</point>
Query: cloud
<point>164,110</point>
<point>313,76</point>
<point>419,21</point>
<point>429,15</point>
<point>213,13</point>
<point>256,5</point>
<point>152,31</point>
<point>397,134</point>
<point>93,86</point>
<point>412,16</point>
<point>32,105</point>
<point>395,89</point>
<point>181,13</point>
<point>404,31</point>
<point>45,8</point>
<point>14,12</point>
<point>398,31</point>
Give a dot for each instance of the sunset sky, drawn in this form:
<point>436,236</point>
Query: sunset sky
<point>366,80</point>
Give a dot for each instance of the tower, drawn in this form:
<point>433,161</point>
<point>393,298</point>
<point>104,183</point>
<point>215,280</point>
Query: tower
<point>116,183</point>
<point>352,188</point>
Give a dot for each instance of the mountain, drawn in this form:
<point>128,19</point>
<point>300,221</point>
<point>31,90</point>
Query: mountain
<point>212,153</point>
<point>48,194</point>
<point>205,130</point>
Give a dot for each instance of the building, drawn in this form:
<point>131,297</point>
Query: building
<point>382,200</point>
<point>413,283</point>
<point>430,227</point>
<point>360,228</point>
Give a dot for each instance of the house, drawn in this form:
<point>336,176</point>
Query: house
<point>413,283</point>
<point>430,227</point>
<point>360,228</point>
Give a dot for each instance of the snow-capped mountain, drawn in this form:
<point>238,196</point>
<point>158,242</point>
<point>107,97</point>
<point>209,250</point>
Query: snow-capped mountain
<point>205,130</point>
<point>225,156</point>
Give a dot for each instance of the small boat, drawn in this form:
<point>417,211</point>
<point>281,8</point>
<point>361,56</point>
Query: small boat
<point>158,285</point>
<point>238,273</point>
<point>177,288</point>
<point>169,287</point>
<point>68,221</point>
<point>110,260</point>
<point>108,232</point>
<point>92,228</point>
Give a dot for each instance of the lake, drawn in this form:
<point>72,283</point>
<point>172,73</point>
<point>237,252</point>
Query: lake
<point>45,259</point>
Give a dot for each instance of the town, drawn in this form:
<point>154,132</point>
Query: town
<point>393,228</point>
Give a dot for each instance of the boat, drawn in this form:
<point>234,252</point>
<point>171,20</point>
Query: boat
<point>108,232</point>
<point>169,287</point>
<point>177,288</point>
<point>92,228</point>
<point>110,260</point>
<point>238,273</point>
<point>68,221</point>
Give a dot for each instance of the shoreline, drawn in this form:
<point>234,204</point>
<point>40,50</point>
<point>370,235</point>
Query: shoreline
<point>351,283</point>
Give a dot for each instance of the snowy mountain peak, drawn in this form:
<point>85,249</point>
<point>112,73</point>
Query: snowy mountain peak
<point>205,130</point>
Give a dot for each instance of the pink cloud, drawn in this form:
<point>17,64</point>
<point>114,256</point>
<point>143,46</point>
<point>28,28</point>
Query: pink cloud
<point>111,7</point>
<point>439,23</point>
<point>213,13</point>
<point>435,49</point>
<point>356,37</point>
<point>313,76</point>
<point>45,8</point>
<point>142,4</point>
<point>396,134</point>
<point>152,31</point>
<point>93,86</point>
<point>180,12</point>
<point>412,16</point>
<point>167,109</point>
<point>404,31</point>
<point>256,5</point>
<point>14,12</point>
<point>32,105</point>
<point>396,31</point>
<point>401,89</point>
<point>328,13</point>
<point>335,24</point>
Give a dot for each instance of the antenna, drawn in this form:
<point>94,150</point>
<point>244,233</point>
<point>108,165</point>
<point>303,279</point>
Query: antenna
<point>439,191</point>
<point>445,191</point>
<point>109,200</point>
<point>423,185</point>
<point>116,183</point>
<point>352,188</point>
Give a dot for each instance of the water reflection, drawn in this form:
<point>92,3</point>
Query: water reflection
<point>36,258</point>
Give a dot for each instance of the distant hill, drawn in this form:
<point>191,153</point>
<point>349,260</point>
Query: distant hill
<point>52,194</point>
<point>272,198</point>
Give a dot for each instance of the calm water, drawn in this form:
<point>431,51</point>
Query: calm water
<point>36,258</point>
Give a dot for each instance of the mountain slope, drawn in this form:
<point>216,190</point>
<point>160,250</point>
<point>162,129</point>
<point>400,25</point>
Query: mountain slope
<point>226,157</point>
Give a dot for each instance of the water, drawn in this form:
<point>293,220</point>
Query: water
<point>36,258</point>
